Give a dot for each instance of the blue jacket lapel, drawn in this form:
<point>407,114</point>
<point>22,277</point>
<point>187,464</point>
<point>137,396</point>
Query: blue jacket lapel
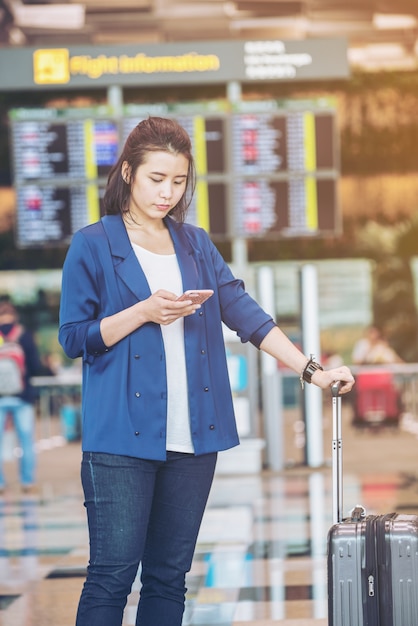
<point>126,263</point>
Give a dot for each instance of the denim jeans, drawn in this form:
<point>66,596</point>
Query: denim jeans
<point>23,415</point>
<point>147,512</point>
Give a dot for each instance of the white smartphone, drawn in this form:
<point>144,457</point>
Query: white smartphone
<point>197,296</point>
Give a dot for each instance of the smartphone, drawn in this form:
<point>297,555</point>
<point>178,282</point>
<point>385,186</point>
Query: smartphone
<point>197,296</point>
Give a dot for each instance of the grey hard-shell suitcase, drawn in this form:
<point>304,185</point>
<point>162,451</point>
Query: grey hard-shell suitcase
<point>372,559</point>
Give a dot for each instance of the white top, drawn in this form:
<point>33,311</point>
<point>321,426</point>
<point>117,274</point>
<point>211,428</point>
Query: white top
<point>162,272</point>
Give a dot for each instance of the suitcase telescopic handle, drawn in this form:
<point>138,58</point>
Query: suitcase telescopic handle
<point>335,388</point>
<point>337,453</point>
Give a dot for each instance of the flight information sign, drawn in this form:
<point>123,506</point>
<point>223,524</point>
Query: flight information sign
<point>264,169</point>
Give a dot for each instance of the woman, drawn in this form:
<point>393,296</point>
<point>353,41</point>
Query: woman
<point>374,349</point>
<point>157,404</point>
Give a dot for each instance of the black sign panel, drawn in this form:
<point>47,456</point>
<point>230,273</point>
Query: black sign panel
<point>267,169</point>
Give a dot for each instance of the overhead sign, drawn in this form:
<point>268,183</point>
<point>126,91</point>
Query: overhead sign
<point>175,63</point>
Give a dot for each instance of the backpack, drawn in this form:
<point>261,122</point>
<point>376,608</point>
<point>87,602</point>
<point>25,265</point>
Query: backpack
<point>12,363</point>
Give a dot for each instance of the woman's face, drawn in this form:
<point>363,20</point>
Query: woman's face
<point>158,185</point>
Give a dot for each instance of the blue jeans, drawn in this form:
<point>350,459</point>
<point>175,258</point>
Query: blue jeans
<point>23,415</point>
<point>146,512</point>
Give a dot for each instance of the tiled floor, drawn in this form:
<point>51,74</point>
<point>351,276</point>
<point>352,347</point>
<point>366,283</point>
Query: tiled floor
<point>260,558</point>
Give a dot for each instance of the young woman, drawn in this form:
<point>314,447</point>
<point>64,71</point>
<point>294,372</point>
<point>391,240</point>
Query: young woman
<point>157,404</point>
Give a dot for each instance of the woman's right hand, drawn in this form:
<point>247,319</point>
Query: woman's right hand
<point>161,308</point>
<point>164,308</point>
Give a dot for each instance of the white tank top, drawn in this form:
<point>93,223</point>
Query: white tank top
<point>162,272</point>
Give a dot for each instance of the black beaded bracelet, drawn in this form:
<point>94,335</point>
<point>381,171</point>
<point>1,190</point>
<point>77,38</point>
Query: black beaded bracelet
<point>308,371</point>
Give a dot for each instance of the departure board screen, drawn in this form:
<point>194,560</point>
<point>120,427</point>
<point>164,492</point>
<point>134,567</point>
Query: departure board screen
<point>267,170</point>
<point>75,149</point>
<point>295,207</point>
<point>50,215</point>
<point>296,142</point>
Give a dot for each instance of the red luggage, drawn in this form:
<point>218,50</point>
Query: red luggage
<point>377,399</point>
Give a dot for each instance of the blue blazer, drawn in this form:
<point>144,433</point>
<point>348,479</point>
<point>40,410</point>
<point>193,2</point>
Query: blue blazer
<point>124,394</point>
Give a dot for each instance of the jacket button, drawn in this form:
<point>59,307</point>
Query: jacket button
<point>136,433</point>
<point>206,389</point>
<point>200,313</point>
<point>203,351</point>
<point>212,427</point>
<point>137,394</point>
<point>136,356</point>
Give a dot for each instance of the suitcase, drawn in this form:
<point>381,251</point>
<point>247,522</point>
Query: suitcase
<point>377,399</point>
<point>372,560</point>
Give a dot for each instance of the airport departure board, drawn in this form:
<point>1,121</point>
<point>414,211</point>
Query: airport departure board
<point>264,169</point>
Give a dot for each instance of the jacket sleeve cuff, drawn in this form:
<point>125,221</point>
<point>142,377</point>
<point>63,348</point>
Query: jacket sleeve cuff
<point>257,337</point>
<point>95,344</point>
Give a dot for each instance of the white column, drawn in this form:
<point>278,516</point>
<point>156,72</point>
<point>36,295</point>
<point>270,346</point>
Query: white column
<point>311,345</point>
<point>271,380</point>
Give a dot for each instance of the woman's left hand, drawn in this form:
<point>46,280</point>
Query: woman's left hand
<point>325,378</point>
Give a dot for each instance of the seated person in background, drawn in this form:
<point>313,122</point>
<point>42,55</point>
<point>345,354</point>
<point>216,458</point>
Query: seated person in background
<point>374,349</point>
<point>377,398</point>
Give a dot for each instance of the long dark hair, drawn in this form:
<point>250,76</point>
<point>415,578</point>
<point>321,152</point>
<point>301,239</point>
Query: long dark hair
<point>155,134</point>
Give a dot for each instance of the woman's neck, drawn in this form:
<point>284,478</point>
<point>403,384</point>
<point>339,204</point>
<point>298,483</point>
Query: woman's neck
<point>154,237</point>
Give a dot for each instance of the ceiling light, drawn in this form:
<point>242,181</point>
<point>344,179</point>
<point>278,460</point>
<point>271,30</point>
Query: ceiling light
<point>385,51</point>
<point>45,16</point>
<point>392,21</point>
<point>16,37</point>
<point>381,56</point>
<point>270,23</point>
